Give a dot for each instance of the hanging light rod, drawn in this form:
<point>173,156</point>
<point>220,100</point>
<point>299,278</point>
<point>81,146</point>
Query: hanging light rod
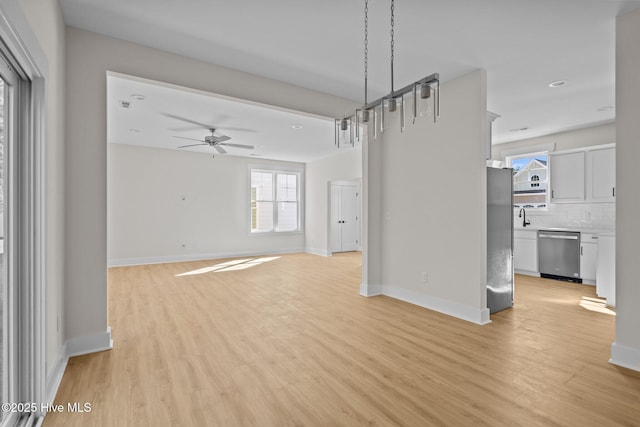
<point>421,88</point>
<point>422,84</point>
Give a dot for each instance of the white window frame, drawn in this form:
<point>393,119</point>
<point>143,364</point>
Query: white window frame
<point>509,162</point>
<point>275,170</point>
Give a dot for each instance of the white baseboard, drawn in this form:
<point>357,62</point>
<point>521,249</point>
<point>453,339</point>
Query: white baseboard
<point>125,262</point>
<point>626,357</point>
<point>527,273</point>
<point>55,376</point>
<point>321,252</point>
<point>464,312</point>
<point>74,347</point>
<point>370,290</point>
<point>89,343</point>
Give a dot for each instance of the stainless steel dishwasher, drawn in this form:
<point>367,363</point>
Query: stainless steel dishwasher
<point>559,254</point>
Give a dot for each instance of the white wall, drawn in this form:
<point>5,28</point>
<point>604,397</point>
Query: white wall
<point>89,57</point>
<point>432,197</point>
<point>45,19</point>
<point>159,200</point>
<point>345,165</point>
<point>579,138</point>
<point>625,351</point>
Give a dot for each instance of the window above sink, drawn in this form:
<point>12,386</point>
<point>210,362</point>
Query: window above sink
<point>530,180</point>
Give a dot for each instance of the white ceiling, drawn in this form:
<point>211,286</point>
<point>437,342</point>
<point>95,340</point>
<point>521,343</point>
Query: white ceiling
<point>523,44</point>
<point>170,113</point>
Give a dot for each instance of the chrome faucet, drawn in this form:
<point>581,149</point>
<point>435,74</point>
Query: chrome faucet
<point>523,215</point>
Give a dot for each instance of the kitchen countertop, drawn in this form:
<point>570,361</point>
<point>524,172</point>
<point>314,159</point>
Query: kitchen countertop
<point>581,230</point>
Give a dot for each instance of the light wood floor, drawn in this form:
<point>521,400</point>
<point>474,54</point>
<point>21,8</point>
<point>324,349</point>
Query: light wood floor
<point>289,342</point>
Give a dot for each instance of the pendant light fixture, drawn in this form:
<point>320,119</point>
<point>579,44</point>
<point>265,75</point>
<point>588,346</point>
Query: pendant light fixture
<point>422,91</point>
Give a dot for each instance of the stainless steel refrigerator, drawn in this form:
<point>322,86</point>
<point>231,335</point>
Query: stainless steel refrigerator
<point>499,239</point>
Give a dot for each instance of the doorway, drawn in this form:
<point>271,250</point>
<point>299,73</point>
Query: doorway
<point>344,216</point>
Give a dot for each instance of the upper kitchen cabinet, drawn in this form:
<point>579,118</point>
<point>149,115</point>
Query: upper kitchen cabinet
<point>601,175</point>
<point>583,175</point>
<point>567,172</point>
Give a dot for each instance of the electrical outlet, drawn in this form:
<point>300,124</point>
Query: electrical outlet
<point>424,277</point>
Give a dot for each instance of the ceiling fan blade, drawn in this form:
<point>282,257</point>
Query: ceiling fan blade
<point>220,149</point>
<point>224,128</point>
<point>185,128</point>
<point>191,145</point>
<point>184,119</point>
<point>221,119</point>
<point>191,139</point>
<point>248,147</point>
<point>204,125</point>
<point>221,138</point>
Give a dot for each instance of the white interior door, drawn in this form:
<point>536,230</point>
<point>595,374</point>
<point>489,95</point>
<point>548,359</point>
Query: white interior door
<point>350,221</point>
<point>345,217</point>
<point>335,229</point>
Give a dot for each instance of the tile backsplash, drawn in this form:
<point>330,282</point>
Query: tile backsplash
<point>601,216</point>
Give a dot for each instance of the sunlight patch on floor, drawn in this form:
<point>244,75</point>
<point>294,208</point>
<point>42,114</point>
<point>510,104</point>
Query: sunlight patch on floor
<point>233,265</point>
<point>596,304</point>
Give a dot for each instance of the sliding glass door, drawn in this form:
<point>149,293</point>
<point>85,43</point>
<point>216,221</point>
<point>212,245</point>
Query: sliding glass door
<point>22,225</point>
<point>8,294</point>
<point>20,290</point>
<point>3,279</point>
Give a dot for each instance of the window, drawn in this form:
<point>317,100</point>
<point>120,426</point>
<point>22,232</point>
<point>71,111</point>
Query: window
<point>535,181</point>
<point>529,180</point>
<point>275,201</point>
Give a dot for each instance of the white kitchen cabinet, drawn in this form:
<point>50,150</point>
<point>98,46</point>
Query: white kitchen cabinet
<point>606,269</point>
<point>588,257</point>
<point>567,177</point>
<point>584,175</point>
<point>525,252</point>
<point>601,175</point>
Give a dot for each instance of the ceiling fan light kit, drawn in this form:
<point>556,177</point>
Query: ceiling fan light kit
<point>419,91</point>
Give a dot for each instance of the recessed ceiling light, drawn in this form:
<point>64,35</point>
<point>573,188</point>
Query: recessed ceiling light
<point>519,129</point>
<point>605,108</point>
<point>558,83</point>
<point>138,96</point>
<point>296,126</point>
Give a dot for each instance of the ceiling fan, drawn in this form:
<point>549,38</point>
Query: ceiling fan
<point>215,141</point>
<point>196,125</point>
